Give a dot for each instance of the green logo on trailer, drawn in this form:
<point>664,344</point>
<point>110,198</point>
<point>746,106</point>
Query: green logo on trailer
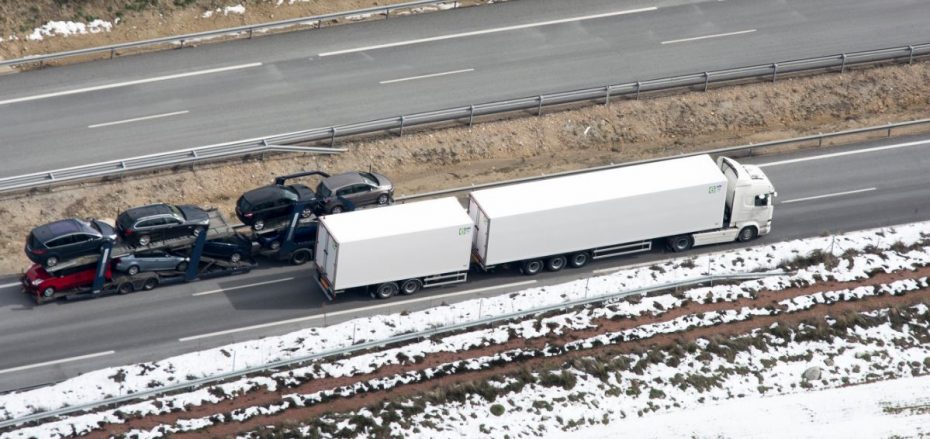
<point>714,189</point>
<point>464,230</point>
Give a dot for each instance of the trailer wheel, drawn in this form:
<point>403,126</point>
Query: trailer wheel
<point>48,292</point>
<point>258,225</point>
<point>747,234</point>
<point>300,257</point>
<point>555,263</point>
<point>532,267</point>
<point>410,286</point>
<point>144,240</point>
<point>150,284</point>
<point>386,290</point>
<point>579,260</point>
<point>306,213</point>
<point>182,266</point>
<point>51,261</point>
<point>133,270</point>
<point>124,288</point>
<point>680,243</point>
<point>235,257</point>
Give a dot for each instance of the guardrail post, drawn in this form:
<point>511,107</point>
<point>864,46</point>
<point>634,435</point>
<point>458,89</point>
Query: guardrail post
<point>51,176</point>
<point>539,108</point>
<point>843,67</point>
<point>820,140</point>
<point>706,80</point>
<point>112,52</point>
<point>606,95</point>
<point>774,71</point>
<point>182,44</point>
<point>910,57</point>
<point>332,140</point>
<point>250,33</point>
<point>402,120</point>
<point>471,115</point>
<point>387,13</point>
<point>890,126</point>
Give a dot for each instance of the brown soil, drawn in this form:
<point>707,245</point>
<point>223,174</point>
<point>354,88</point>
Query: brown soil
<point>763,299</point>
<point>493,151</point>
<point>146,19</point>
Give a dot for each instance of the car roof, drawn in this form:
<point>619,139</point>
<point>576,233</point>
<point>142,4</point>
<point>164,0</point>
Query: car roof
<point>58,228</point>
<point>344,179</point>
<point>150,210</point>
<point>264,193</point>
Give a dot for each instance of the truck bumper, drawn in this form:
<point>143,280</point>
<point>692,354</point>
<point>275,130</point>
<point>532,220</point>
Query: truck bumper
<point>766,229</point>
<point>328,292</point>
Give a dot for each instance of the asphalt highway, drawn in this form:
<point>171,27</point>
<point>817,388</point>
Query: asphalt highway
<point>135,105</point>
<point>822,191</point>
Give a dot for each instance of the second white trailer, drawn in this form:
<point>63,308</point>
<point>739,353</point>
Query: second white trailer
<point>597,214</point>
<point>394,249</point>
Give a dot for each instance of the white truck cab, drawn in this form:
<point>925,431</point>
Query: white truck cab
<point>749,206</point>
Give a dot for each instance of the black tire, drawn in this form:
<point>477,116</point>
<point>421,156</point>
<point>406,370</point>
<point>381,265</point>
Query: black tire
<point>383,199</point>
<point>300,257</point>
<point>410,286</point>
<point>182,266</point>
<point>150,284</point>
<point>747,234</point>
<point>556,263</point>
<point>258,225</point>
<point>336,209</point>
<point>124,288</point>
<point>680,243</point>
<point>275,245</point>
<point>386,290</point>
<point>235,257</point>
<point>306,213</point>
<point>132,270</point>
<point>144,240</point>
<point>48,292</point>
<point>578,260</point>
<point>51,261</point>
<point>532,267</point>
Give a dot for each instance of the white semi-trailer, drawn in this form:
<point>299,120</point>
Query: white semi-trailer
<point>546,224</point>
<point>395,249</point>
<point>573,219</point>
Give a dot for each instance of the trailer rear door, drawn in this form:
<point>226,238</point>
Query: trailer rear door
<point>326,254</point>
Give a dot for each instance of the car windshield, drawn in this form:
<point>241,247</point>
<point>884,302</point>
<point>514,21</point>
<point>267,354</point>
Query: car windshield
<point>369,178</point>
<point>290,193</point>
<point>323,191</point>
<point>176,211</point>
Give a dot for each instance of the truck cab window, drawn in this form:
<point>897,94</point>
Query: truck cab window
<point>762,200</point>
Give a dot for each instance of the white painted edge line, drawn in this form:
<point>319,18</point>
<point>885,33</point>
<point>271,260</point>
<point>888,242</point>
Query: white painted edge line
<point>239,287</point>
<point>137,119</point>
<point>728,34</point>
<point>624,267</point>
<point>840,154</point>
<point>53,362</point>
<point>837,194</point>
<point>353,310</point>
<point>128,83</point>
<point>14,284</point>
<point>431,75</point>
<point>488,31</point>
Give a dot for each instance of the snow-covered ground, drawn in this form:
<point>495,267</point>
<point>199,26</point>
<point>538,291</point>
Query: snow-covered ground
<point>130,379</point>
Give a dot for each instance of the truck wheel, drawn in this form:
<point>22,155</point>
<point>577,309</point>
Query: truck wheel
<point>258,225</point>
<point>150,284</point>
<point>532,267</point>
<point>579,260</point>
<point>144,240</point>
<point>680,243</point>
<point>300,257</point>
<point>51,261</point>
<point>133,270</point>
<point>410,286</point>
<point>182,266</point>
<point>555,263</point>
<point>747,234</point>
<point>386,290</point>
<point>48,292</point>
<point>124,288</point>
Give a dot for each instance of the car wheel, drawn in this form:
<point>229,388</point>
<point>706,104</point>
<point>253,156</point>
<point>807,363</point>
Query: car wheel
<point>386,290</point>
<point>579,260</point>
<point>182,266</point>
<point>258,225</point>
<point>275,245</point>
<point>410,286</point>
<point>51,261</point>
<point>532,267</point>
<point>383,199</point>
<point>680,243</point>
<point>235,257</point>
<point>306,213</point>
<point>133,270</point>
<point>144,240</point>
<point>300,257</point>
<point>556,263</point>
<point>48,292</point>
<point>336,209</point>
<point>124,288</point>
<point>747,234</point>
<point>150,284</point>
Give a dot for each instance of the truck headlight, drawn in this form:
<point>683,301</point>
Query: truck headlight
<point>36,282</point>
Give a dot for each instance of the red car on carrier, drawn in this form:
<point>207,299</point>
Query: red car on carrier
<point>40,282</point>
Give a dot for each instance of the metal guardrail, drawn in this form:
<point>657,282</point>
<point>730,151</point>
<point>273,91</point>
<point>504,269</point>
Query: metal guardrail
<point>746,149</point>
<point>316,20</point>
<point>470,112</point>
<point>380,343</point>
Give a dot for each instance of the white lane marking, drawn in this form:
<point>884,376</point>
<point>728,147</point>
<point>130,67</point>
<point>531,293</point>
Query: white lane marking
<point>624,267</point>
<point>431,75</point>
<point>353,310</point>
<point>840,154</point>
<point>128,83</point>
<point>53,362</point>
<point>728,34</point>
<point>137,119</point>
<point>488,31</point>
<point>239,287</point>
<point>837,194</point>
<point>14,284</point>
